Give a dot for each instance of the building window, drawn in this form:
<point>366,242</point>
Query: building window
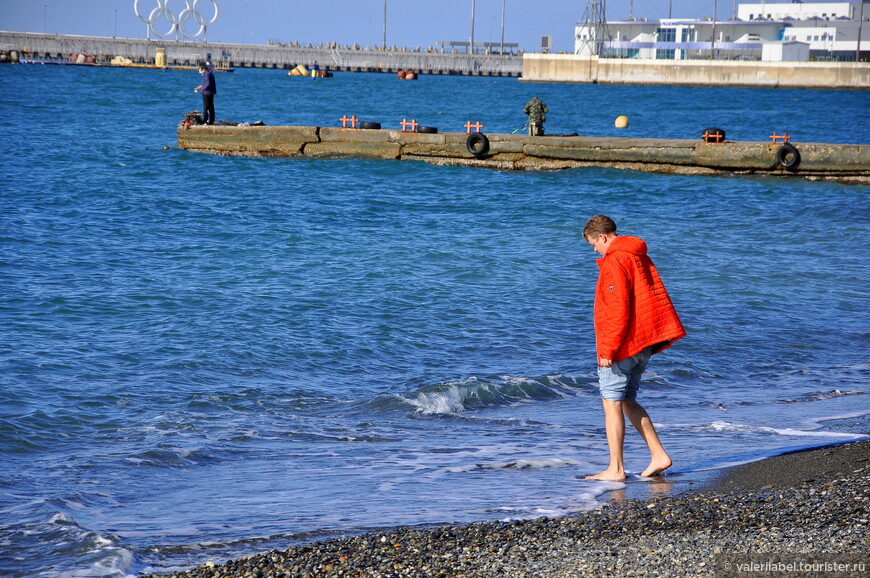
<point>665,54</point>
<point>667,34</point>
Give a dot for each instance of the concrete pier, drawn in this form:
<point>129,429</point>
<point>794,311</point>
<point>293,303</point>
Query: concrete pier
<point>595,70</point>
<point>842,163</point>
<point>35,46</point>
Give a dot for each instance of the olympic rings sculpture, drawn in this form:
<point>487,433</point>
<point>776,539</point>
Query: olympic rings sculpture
<point>177,23</point>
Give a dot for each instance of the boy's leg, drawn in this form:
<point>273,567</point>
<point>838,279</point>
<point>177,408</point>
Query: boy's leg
<point>614,424</point>
<point>659,460</point>
<point>619,385</point>
<point>613,382</point>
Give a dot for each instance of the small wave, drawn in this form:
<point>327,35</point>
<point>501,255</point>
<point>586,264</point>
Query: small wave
<point>523,464</point>
<point>859,414</point>
<point>757,455</point>
<point>478,393</point>
<point>821,395</point>
<point>730,427</point>
<point>587,498</point>
<point>59,537</point>
<point>171,457</point>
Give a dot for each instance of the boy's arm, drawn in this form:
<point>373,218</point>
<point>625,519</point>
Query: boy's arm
<point>615,299</point>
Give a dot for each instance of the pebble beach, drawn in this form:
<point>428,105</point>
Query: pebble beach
<point>810,507</point>
<point>211,358</point>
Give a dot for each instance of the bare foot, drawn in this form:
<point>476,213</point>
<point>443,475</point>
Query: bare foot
<point>608,476</point>
<point>656,467</point>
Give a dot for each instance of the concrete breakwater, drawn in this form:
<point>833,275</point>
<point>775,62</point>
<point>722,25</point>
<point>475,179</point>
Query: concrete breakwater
<point>35,46</point>
<point>836,162</point>
<point>595,70</point>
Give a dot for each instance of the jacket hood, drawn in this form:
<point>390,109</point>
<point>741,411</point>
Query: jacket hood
<point>627,244</point>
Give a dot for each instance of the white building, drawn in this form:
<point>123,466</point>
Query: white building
<point>830,30</point>
<point>798,11</point>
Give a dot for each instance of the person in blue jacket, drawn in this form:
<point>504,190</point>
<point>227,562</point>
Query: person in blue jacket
<point>208,89</point>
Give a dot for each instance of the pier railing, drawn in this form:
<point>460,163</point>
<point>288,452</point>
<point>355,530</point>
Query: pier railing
<point>35,46</point>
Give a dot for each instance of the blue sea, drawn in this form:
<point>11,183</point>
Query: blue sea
<point>208,357</point>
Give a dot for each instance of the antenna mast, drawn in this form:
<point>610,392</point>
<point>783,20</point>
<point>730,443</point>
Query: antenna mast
<point>595,23</point>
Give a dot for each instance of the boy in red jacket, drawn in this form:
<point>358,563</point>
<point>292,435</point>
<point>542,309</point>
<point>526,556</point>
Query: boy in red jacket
<point>634,319</point>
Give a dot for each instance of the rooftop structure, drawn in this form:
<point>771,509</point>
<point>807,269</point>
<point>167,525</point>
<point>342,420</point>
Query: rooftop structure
<point>762,31</point>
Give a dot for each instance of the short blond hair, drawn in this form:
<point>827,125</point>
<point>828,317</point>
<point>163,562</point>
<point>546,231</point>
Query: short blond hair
<point>599,225</point>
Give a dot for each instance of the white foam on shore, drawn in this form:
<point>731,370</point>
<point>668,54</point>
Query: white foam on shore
<point>97,554</point>
<point>749,457</point>
<point>734,427</point>
<point>586,499</point>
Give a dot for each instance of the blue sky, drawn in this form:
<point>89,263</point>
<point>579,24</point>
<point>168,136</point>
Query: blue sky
<point>410,23</point>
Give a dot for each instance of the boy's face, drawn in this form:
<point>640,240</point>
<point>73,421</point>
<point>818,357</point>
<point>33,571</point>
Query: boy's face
<point>599,243</point>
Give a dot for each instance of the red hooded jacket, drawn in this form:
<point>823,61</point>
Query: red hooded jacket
<point>632,308</point>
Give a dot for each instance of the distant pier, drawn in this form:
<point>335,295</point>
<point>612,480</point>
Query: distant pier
<point>819,161</point>
<point>486,62</point>
<point>761,74</point>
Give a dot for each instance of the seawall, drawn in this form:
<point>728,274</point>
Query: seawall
<point>31,45</point>
<point>843,163</point>
<point>595,70</point>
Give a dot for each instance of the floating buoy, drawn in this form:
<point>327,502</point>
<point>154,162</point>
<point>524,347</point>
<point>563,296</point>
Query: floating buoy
<point>621,121</point>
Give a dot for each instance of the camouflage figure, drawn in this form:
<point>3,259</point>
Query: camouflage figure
<point>536,108</point>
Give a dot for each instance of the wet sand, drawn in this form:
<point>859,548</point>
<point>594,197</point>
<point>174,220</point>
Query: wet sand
<point>775,517</point>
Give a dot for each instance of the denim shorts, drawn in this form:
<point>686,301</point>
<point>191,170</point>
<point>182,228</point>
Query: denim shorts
<point>620,381</point>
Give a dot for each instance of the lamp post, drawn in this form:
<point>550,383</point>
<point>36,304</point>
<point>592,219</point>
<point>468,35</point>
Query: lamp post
<point>713,34</point>
<point>471,40</point>
<point>502,26</point>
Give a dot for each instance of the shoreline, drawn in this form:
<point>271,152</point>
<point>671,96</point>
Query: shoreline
<point>807,507</point>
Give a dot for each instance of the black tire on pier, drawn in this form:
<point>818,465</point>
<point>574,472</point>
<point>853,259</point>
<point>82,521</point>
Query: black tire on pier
<point>477,144</point>
<point>788,156</point>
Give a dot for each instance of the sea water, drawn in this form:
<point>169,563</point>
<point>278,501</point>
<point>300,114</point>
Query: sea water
<point>206,357</point>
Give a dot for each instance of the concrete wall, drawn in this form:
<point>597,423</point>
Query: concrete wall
<point>142,51</point>
<point>571,68</point>
<point>843,163</point>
